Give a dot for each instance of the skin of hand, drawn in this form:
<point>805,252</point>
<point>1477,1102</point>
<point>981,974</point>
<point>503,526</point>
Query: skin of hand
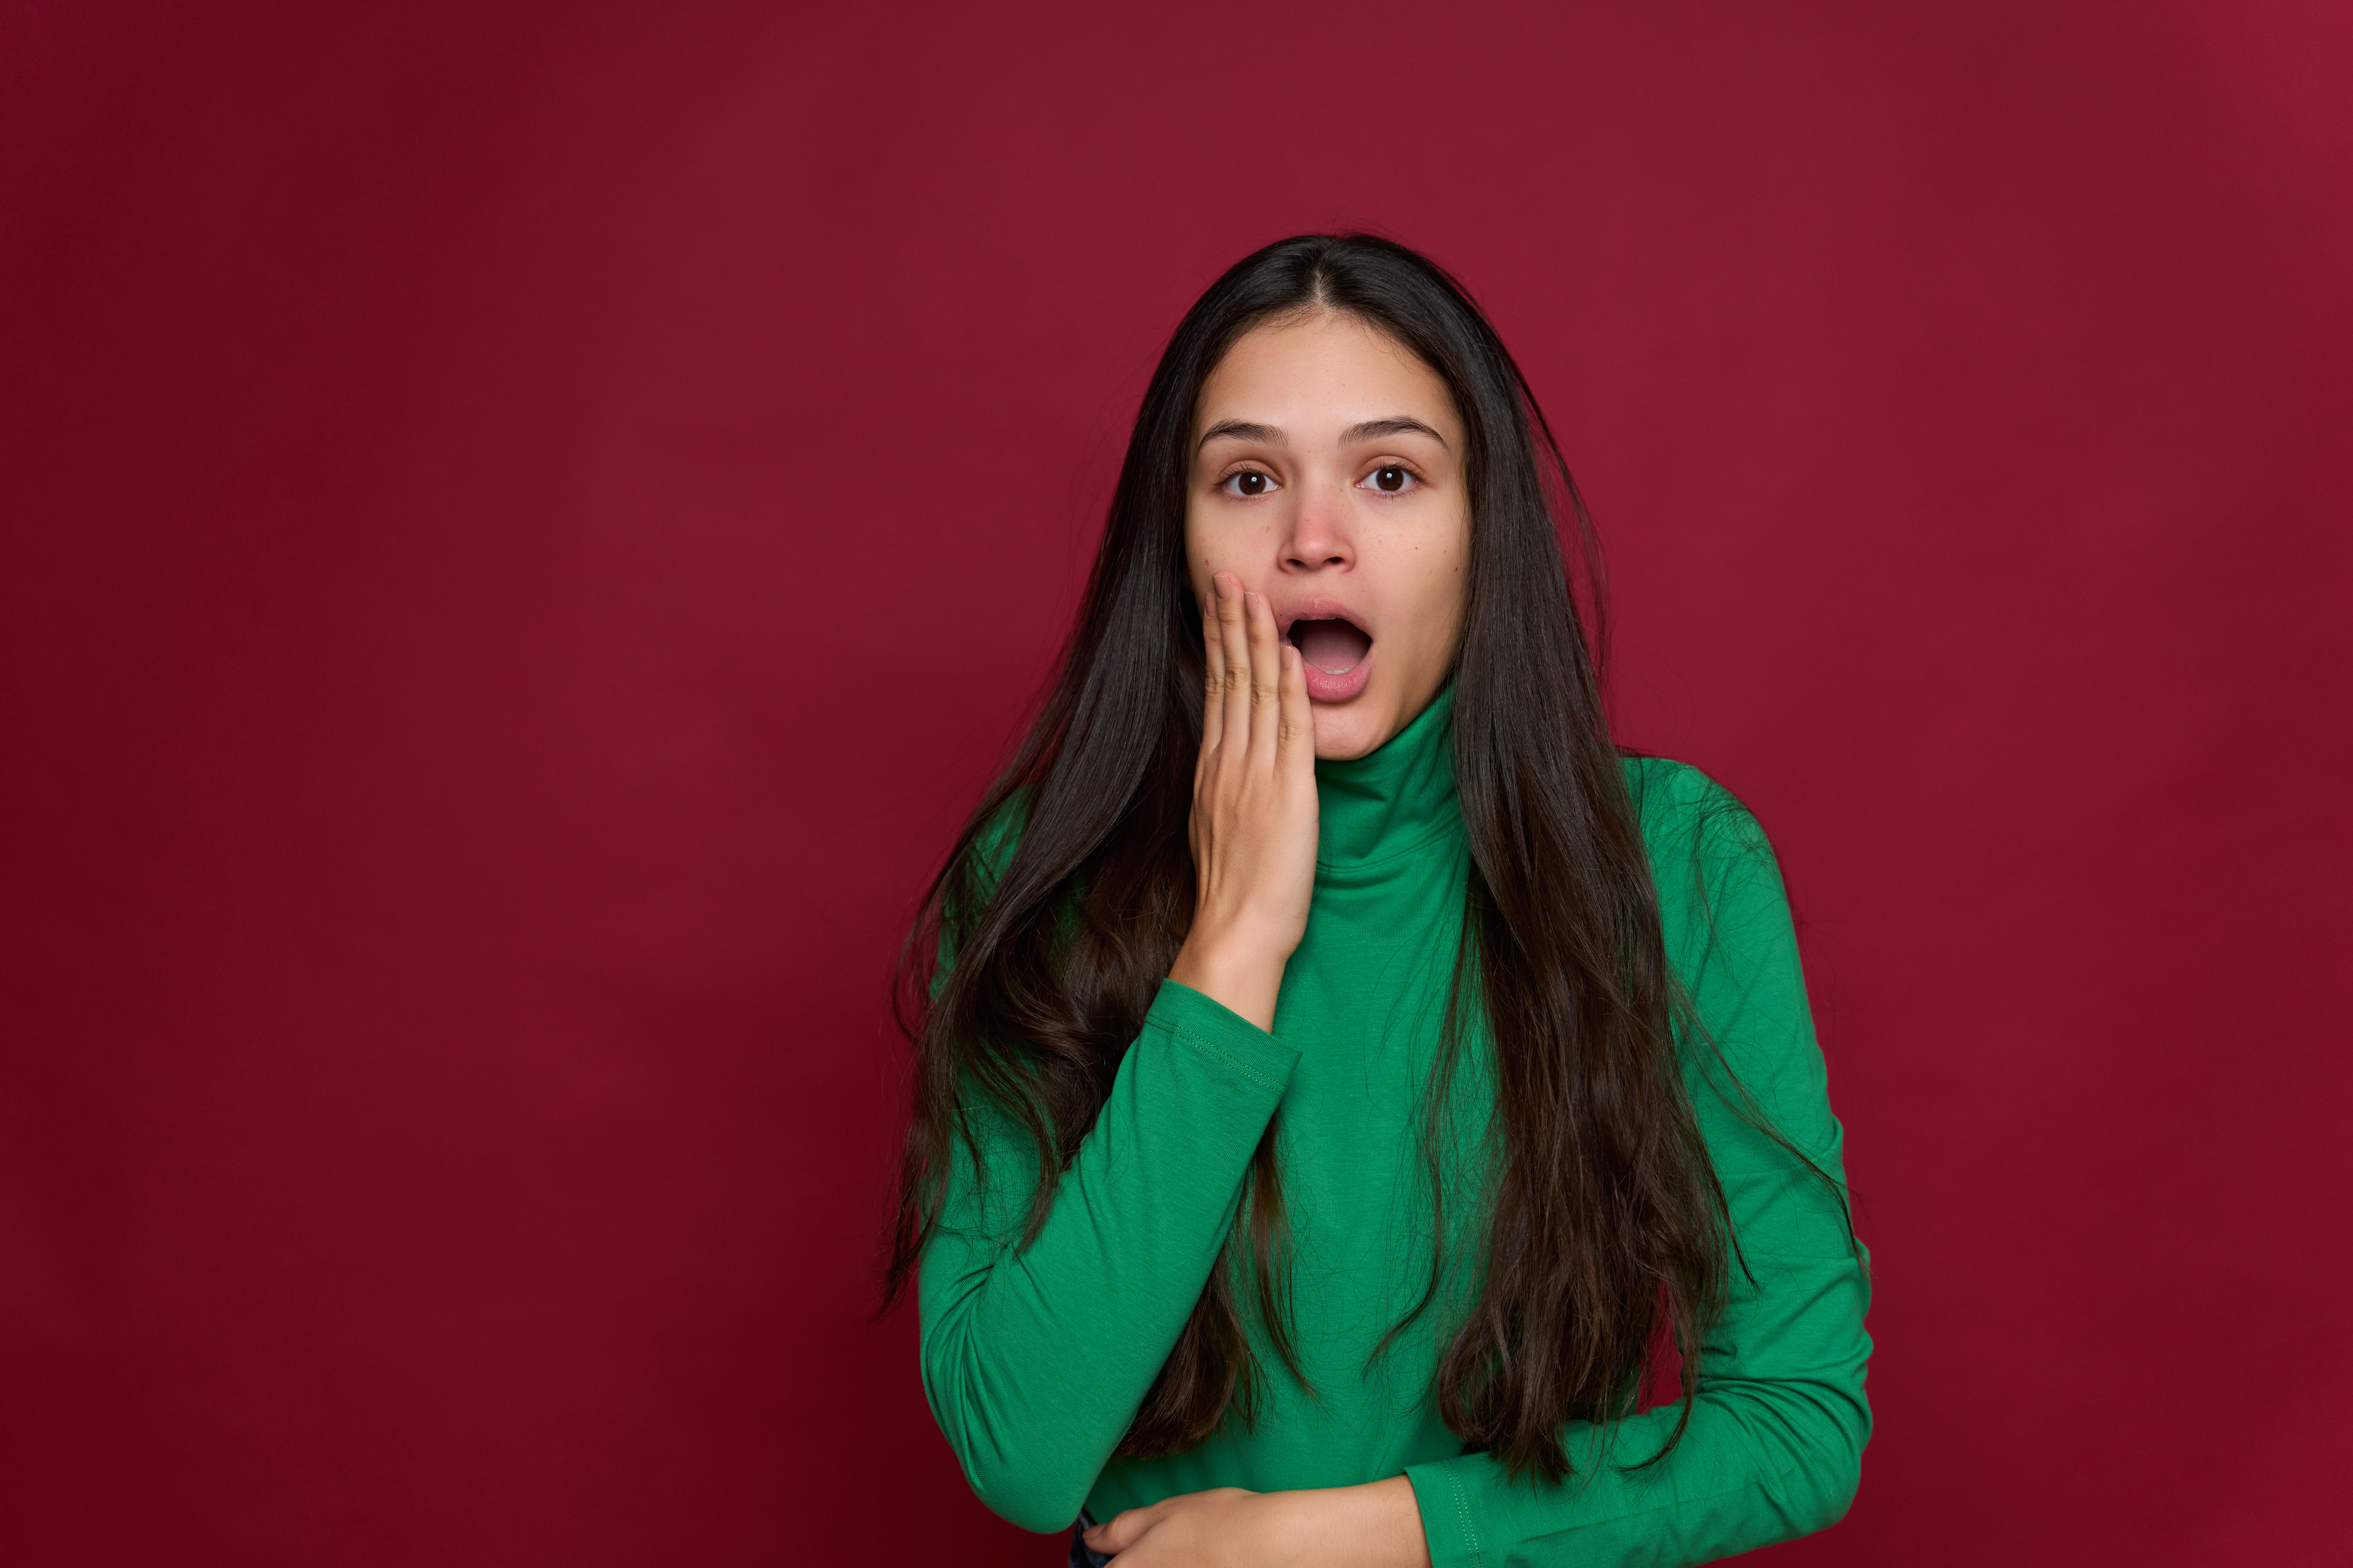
<point>1327,483</point>
<point>1374,1526</point>
<point>1254,810</point>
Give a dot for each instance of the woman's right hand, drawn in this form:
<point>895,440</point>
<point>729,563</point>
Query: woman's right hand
<point>1254,815</point>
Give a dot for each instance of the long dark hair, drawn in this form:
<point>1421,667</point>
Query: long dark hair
<point>1605,1228</point>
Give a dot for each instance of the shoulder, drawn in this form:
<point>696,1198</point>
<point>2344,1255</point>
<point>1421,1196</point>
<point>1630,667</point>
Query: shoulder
<point>1685,814</point>
<point>976,870</point>
<point>1708,855</point>
<point>996,836</point>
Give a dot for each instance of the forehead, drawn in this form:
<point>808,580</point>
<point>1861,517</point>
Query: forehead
<point>1320,374</point>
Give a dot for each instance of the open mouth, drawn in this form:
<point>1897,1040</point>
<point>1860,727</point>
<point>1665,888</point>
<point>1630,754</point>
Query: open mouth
<point>1334,646</point>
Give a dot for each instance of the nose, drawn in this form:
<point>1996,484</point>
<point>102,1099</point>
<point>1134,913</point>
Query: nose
<point>1319,534</point>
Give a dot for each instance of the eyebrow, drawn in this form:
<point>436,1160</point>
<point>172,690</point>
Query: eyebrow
<point>1373,429</point>
<point>1243,430</point>
<point>1268,436</point>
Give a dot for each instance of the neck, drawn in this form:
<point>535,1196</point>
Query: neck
<point>1393,796</point>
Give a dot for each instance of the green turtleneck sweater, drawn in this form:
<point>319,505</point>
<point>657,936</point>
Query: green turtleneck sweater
<point>1036,1360</point>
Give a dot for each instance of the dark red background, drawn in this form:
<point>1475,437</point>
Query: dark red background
<point>526,524</point>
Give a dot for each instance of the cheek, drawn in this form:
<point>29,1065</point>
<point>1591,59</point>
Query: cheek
<point>1458,545</point>
<point>1441,588</point>
<point>1210,550</point>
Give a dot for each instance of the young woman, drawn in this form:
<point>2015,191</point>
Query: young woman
<point>1343,1074</point>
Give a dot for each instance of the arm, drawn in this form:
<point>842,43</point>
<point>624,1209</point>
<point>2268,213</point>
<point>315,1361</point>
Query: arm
<point>1035,1361</point>
<point>1376,1525</point>
<point>1777,1430</point>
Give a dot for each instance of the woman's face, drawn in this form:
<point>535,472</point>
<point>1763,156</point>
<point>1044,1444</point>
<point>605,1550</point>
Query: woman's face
<point>1327,474</point>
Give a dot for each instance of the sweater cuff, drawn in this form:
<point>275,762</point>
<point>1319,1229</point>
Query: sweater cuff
<point>1446,1522</point>
<point>1214,1030</point>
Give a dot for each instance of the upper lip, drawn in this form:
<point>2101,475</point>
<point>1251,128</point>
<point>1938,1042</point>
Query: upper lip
<point>1316,607</point>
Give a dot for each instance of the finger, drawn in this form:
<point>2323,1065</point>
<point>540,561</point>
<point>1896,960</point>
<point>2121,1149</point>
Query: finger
<point>1213,676</point>
<point>1123,1530</point>
<point>1235,638</point>
<point>1295,737</point>
<point>1265,679</point>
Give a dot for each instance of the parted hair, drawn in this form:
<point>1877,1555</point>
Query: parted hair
<point>1604,1229</point>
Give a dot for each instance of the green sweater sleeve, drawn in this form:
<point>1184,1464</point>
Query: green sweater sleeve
<point>1035,1360</point>
<point>1774,1443</point>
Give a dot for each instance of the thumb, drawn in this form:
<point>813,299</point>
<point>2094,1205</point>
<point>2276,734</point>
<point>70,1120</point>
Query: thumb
<point>1123,1530</point>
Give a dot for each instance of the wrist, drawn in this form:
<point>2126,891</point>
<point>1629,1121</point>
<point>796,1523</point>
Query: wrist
<point>1377,1525</point>
<point>1243,976</point>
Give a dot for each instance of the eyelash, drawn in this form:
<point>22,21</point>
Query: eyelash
<point>1408,469</point>
<point>1226,482</point>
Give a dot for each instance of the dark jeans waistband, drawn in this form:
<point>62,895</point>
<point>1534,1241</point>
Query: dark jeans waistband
<point>1082,1554</point>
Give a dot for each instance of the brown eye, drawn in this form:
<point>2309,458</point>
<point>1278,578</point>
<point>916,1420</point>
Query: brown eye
<point>1250,482</point>
<point>1391,478</point>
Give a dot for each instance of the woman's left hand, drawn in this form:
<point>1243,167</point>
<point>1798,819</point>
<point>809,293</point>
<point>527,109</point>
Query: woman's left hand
<point>1374,1526</point>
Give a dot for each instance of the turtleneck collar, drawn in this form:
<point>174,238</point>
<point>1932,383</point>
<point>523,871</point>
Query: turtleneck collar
<point>1388,801</point>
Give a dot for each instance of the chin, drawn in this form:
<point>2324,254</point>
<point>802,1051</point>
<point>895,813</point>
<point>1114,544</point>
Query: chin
<point>1345,732</point>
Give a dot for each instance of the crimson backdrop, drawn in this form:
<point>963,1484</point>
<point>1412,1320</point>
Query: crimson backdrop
<point>527,523</point>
